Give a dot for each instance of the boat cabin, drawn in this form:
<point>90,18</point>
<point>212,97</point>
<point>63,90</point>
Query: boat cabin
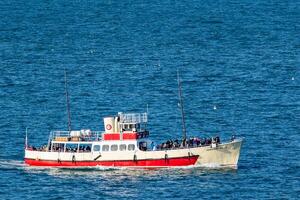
<point>124,132</point>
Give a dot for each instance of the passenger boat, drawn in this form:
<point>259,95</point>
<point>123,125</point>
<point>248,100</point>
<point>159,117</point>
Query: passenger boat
<point>125,142</point>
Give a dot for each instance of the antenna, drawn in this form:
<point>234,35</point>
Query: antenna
<point>181,109</point>
<point>147,111</point>
<point>67,102</point>
<point>26,139</point>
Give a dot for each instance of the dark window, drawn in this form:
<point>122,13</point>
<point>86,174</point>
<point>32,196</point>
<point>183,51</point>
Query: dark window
<point>122,147</point>
<point>114,147</point>
<point>58,147</point>
<point>85,147</point>
<point>70,147</point>
<point>105,148</point>
<point>96,148</point>
<point>131,147</point>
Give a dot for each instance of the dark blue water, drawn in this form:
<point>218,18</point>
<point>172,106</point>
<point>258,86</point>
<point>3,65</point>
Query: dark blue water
<point>239,56</point>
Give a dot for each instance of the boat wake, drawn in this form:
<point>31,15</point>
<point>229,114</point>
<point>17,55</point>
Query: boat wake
<point>217,166</point>
<point>11,164</point>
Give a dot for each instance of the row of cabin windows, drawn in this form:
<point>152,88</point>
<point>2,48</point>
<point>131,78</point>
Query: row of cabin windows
<point>115,147</point>
<point>73,147</point>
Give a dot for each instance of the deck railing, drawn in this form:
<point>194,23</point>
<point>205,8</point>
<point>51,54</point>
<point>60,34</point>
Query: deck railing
<point>82,135</point>
<point>133,118</point>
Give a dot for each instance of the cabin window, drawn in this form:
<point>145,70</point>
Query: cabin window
<point>131,147</point>
<point>58,147</point>
<point>96,148</point>
<point>105,148</point>
<point>114,147</point>
<point>85,147</point>
<point>70,147</point>
<point>122,147</point>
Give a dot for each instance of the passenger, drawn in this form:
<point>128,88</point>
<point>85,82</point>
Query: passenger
<point>191,141</point>
<point>217,140</point>
<point>183,144</point>
<point>168,144</point>
<point>153,146</point>
<point>198,141</point>
<point>177,144</point>
<point>206,141</point>
<point>209,141</point>
<point>232,138</point>
<point>159,147</point>
<point>194,142</point>
<point>88,148</point>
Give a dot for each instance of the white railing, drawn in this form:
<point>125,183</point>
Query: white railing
<point>87,134</point>
<point>133,117</point>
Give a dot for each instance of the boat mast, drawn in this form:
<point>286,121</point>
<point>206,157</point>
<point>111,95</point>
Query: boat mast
<point>26,139</point>
<point>67,102</point>
<point>181,109</point>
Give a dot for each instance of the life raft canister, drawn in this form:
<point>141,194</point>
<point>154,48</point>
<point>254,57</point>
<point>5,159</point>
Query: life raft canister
<point>108,127</point>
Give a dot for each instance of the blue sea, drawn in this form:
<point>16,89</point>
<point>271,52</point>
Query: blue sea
<point>239,64</point>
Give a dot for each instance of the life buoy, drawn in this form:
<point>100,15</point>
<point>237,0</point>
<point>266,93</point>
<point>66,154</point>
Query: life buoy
<point>108,127</point>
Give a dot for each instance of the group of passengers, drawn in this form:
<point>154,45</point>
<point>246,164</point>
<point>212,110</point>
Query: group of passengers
<point>191,142</point>
<point>75,149</point>
<point>60,148</point>
<point>41,148</point>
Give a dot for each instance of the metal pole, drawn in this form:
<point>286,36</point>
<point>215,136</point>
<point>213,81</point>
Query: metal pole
<point>68,102</point>
<point>182,110</point>
<point>26,139</point>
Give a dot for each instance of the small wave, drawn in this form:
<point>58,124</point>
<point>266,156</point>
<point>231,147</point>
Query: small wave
<point>216,166</point>
<point>11,163</point>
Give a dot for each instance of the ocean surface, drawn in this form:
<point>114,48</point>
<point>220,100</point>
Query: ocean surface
<point>239,63</point>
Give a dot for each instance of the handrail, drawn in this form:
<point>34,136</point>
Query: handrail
<point>88,134</point>
<point>133,117</point>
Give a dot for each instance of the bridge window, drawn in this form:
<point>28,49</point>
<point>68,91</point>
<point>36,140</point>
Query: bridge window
<point>131,147</point>
<point>105,148</point>
<point>96,148</point>
<point>114,147</point>
<point>122,147</point>
<point>126,127</point>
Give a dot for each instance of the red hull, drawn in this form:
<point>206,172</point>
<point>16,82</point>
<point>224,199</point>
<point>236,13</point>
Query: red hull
<point>170,162</point>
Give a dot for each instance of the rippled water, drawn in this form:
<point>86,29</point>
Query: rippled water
<point>241,57</point>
